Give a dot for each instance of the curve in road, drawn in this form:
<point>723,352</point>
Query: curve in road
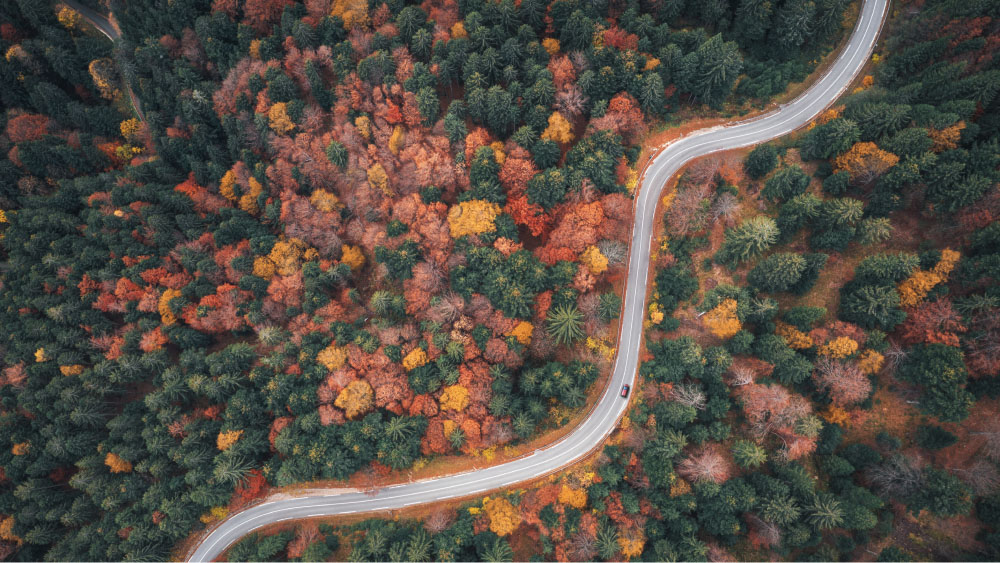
<point>103,24</point>
<point>611,406</point>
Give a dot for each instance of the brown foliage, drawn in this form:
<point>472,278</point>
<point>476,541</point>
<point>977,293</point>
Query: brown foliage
<point>708,463</point>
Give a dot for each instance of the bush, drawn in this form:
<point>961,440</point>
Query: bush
<point>860,455</point>
<point>803,318</point>
<point>940,370</point>
<point>754,236</point>
<point>786,183</point>
<point>760,161</point>
<point>934,437</point>
<point>777,272</point>
<point>836,184</point>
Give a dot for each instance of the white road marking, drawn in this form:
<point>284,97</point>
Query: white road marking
<point>605,413</point>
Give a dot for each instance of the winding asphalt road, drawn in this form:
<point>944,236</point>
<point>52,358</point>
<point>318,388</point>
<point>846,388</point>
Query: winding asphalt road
<point>103,24</point>
<point>605,415</point>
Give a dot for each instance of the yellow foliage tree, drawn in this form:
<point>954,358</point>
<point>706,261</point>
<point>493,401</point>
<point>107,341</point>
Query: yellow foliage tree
<point>947,262</point>
<point>946,139</point>
<point>287,255</point>
<point>167,316</point>
<point>680,487</point>
<point>130,129</point>
<point>522,332</point>
<point>865,161</point>
<point>870,361</point>
<point>551,45</point>
<point>353,12</point>
<point>227,185</point>
<point>215,514</point>
<point>248,201</point>
<point>75,369</point>
<point>559,130</point>
<point>278,117</point>
<point>352,256</point>
<point>454,398</point>
<point>599,346</point>
<point>651,63</point>
<point>915,288</point>
<point>255,49</point>
<point>795,338</point>
<point>839,348</point>
<point>117,464</point>
<point>577,498</point>
<point>632,542</point>
<point>68,17</point>
<point>40,356</point>
<point>20,448</point>
<point>504,518</point>
<point>396,140</point>
<point>7,530</point>
<point>596,262</point>
<point>472,217</point>
<point>416,358</point>
<point>356,399</point>
<point>263,267</point>
<point>722,320</point>
<point>378,179</point>
<point>835,415</point>
<point>364,126</point>
<point>102,72</point>
<point>498,154</point>
<point>655,314</point>
<point>325,201</point>
<point>225,440</point>
<point>332,357</point>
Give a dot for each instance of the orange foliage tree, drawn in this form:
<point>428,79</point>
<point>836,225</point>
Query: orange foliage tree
<point>722,320</point>
<point>117,464</point>
<point>865,161</point>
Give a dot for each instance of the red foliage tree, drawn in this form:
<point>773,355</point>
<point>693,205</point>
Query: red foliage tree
<point>27,127</point>
<point>262,14</point>
<point>620,39</point>
<point>219,312</point>
<point>932,322</point>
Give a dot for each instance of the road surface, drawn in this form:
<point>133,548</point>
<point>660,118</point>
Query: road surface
<point>605,415</point>
<point>103,24</point>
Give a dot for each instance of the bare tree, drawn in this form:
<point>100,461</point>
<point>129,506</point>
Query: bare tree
<point>895,355</point>
<point>703,171</point>
<point>571,101</point>
<point>741,375</point>
<point>991,448</point>
<point>616,252</point>
<point>982,476</point>
<point>896,477</point>
<point>688,394</point>
<point>768,532</point>
<point>726,206</point>
<point>707,463</point>
<point>371,487</point>
<point>439,521</point>
<point>583,546</point>
<point>448,309</point>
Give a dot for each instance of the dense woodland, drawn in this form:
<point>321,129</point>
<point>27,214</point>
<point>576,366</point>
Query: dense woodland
<point>347,237</point>
<point>822,349</point>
